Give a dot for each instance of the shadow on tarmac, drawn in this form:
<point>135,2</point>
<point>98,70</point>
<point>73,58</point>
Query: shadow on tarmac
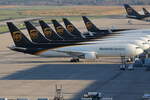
<point>120,85</point>
<point>63,72</point>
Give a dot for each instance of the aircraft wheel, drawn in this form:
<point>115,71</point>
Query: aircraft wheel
<point>74,60</point>
<point>77,60</point>
<point>71,60</point>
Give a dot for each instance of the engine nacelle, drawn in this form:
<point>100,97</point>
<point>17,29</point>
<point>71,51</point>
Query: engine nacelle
<point>90,55</point>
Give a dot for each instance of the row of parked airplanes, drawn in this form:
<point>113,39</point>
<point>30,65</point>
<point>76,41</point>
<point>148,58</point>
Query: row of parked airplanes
<point>70,42</point>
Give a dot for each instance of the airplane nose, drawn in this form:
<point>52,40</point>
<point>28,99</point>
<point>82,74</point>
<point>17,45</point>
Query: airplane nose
<point>139,51</point>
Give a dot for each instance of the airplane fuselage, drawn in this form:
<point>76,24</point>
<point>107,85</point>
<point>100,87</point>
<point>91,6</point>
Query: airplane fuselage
<point>97,50</point>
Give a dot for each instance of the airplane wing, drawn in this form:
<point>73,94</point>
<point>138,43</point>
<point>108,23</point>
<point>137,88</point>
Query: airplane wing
<point>80,54</point>
<point>71,53</point>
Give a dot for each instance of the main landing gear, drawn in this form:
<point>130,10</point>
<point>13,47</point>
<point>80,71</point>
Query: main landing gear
<point>74,60</point>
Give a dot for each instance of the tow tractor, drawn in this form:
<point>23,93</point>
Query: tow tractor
<point>92,96</point>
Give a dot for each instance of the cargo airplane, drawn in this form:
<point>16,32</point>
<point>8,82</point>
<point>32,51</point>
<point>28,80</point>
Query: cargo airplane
<point>78,51</point>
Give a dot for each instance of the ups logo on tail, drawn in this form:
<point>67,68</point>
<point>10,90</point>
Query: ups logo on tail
<point>17,36</point>
<point>47,31</point>
<point>88,25</point>
<point>129,10</point>
<point>70,28</point>
<point>59,29</point>
<point>33,34</point>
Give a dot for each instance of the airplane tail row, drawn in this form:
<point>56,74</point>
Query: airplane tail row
<point>21,40</point>
<point>35,34</point>
<point>50,36</point>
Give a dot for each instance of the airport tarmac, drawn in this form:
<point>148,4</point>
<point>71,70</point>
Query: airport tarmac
<point>29,76</point>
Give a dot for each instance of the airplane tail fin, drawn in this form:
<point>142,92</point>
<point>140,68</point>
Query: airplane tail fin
<point>19,38</point>
<point>146,12</point>
<point>49,32</point>
<point>89,25</point>
<point>61,30</point>
<point>71,28</point>
<point>130,11</point>
<point>35,34</point>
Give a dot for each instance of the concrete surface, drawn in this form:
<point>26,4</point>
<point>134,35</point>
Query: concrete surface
<point>29,76</point>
